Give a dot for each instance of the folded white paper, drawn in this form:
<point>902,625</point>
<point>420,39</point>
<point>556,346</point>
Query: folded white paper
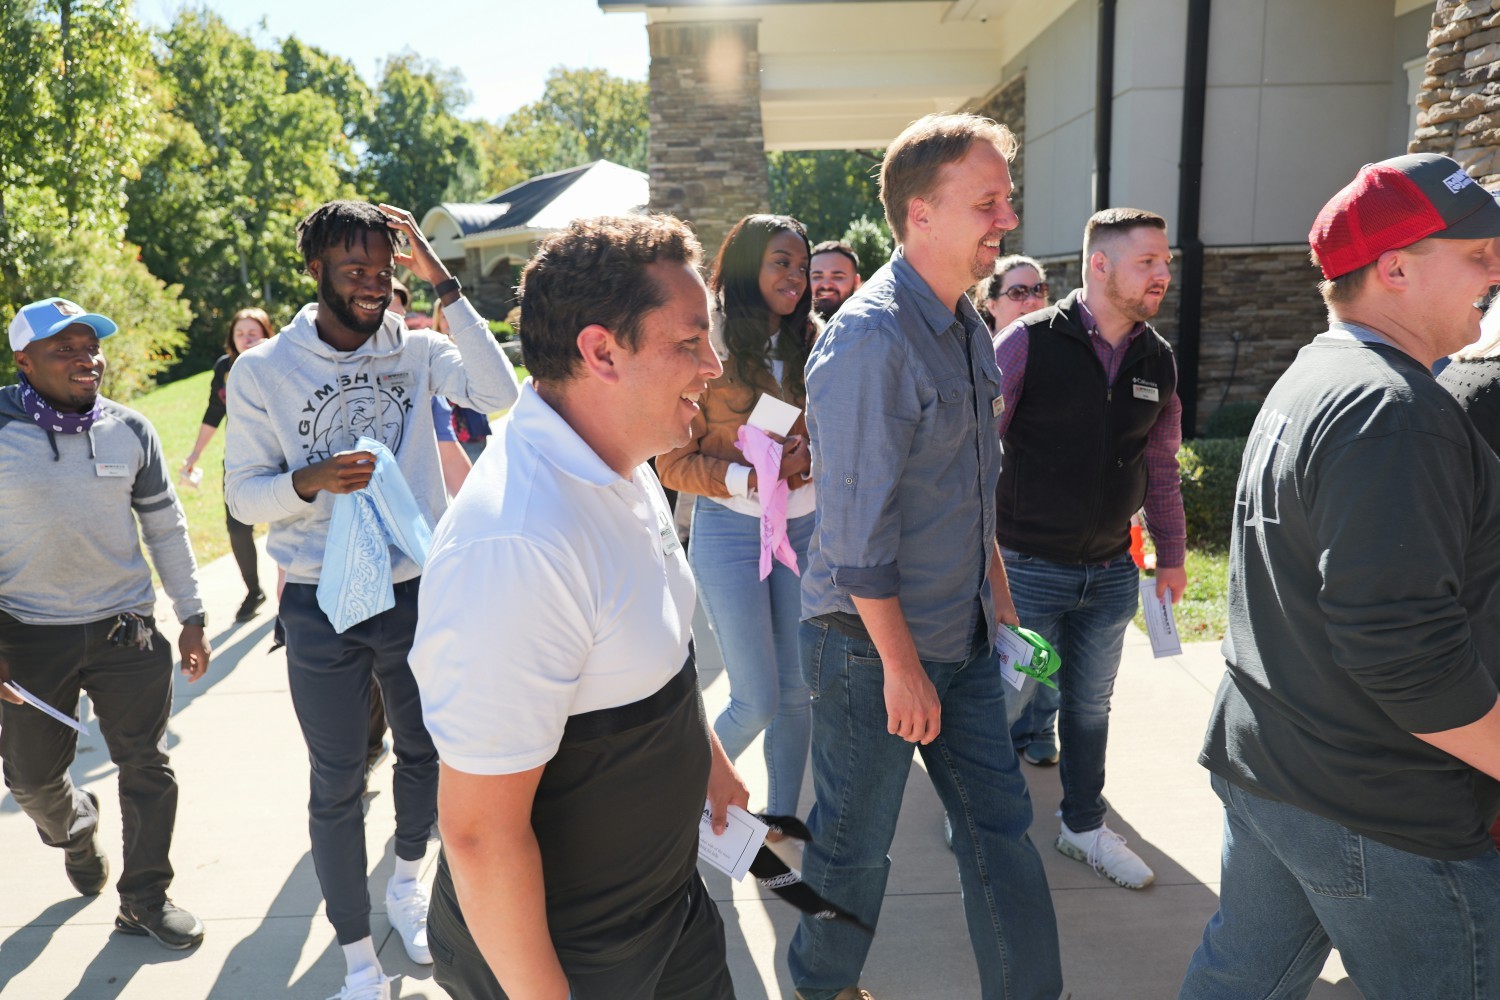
<point>33,700</point>
<point>1013,652</point>
<point>773,415</point>
<point>1161,623</point>
<point>731,851</point>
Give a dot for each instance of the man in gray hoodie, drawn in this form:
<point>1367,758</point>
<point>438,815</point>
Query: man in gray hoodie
<point>82,484</point>
<point>344,369</point>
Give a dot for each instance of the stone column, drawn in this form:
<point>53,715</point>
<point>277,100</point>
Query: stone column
<point>707,151</point>
<point>1460,97</point>
<point>1007,105</point>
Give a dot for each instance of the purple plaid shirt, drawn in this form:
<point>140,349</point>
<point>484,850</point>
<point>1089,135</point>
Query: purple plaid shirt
<point>1164,518</point>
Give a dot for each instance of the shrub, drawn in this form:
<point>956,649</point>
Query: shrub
<point>1209,469</point>
<point>1232,419</point>
<point>871,240</point>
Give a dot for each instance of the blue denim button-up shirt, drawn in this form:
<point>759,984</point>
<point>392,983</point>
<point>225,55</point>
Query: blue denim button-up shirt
<point>901,407</point>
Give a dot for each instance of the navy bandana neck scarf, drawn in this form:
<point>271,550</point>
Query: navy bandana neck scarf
<point>50,419</point>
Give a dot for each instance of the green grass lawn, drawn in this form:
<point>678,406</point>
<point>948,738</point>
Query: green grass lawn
<point>176,411</point>
<point>1202,615</point>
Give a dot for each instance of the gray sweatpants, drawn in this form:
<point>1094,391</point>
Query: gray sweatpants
<point>330,678</point>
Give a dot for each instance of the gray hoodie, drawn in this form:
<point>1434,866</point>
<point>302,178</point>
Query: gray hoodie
<point>294,401</point>
<point>70,549</point>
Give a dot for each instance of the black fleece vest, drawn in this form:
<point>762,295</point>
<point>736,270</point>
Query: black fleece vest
<point>1074,469</point>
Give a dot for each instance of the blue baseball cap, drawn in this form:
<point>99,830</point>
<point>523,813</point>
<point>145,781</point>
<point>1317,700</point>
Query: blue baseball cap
<point>40,320</point>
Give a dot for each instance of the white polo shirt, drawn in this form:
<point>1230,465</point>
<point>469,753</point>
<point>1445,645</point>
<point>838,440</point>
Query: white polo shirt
<point>553,587</point>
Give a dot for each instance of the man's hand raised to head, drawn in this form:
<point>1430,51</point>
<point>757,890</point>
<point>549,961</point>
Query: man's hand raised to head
<point>346,472</point>
<point>421,260</point>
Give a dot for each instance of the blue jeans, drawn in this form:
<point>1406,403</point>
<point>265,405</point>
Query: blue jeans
<point>1295,885</point>
<point>859,773</point>
<point>1083,611</point>
<point>1037,724</point>
<point>755,622</point>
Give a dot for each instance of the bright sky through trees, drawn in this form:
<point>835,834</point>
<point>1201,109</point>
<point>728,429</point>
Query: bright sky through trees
<point>504,49</point>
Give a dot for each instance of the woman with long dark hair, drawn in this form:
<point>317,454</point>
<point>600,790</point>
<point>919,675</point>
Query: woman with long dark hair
<point>762,329</point>
<point>248,328</point>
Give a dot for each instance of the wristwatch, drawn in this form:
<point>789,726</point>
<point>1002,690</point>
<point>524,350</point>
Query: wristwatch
<point>444,287</point>
<point>200,620</point>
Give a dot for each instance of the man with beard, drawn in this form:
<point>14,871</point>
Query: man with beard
<point>834,276</point>
<point>84,484</point>
<point>345,368</point>
<point>1090,429</point>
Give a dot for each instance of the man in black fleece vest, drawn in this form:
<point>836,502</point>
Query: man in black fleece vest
<point>1091,428</point>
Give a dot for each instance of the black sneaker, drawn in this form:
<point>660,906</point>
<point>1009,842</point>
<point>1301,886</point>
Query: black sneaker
<point>88,868</point>
<point>171,926</point>
<point>248,607</point>
<point>278,636</point>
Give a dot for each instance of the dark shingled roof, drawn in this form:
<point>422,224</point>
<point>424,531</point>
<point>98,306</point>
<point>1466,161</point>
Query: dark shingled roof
<point>515,206</point>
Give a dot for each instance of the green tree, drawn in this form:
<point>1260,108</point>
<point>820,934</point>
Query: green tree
<point>243,159</point>
<point>825,189</point>
<point>76,104</point>
<point>419,152</point>
<point>583,115</point>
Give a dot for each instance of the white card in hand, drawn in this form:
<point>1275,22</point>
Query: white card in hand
<point>1161,623</point>
<point>731,851</point>
<point>773,415</point>
<point>1013,652</point>
<point>36,702</point>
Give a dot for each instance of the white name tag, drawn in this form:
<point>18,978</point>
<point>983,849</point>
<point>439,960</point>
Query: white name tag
<point>1144,390</point>
<point>394,380</point>
<point>669,541</point>
<point>998,406</point>
<point>111,470</point>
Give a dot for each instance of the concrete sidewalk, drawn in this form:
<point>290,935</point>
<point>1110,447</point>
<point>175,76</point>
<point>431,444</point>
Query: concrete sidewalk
<point>243,865</point>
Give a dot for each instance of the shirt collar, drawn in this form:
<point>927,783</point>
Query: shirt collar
<point>939,317</point>
<point>558,444</point>
<point>1091,325</point>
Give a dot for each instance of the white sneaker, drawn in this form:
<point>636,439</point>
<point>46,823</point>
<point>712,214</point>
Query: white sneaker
<point>406,908</point>
<point>1104,851</point>
<point>366,984</point>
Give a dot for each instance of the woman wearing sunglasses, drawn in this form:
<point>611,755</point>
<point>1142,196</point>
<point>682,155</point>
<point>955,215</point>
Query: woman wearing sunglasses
<point>1019,286</point>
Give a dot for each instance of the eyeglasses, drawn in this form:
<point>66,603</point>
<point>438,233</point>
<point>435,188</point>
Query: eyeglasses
<point>1020,293</point>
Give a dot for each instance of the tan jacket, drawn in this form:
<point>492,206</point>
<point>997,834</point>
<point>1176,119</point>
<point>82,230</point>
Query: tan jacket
<point>698,467</point>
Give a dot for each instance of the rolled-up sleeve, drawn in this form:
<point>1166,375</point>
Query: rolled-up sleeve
<point>863,409</point>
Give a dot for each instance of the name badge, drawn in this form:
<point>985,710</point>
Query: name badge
<point>998,406</point>
<point>670,543</point>
<point>394,380</point>
<point>111,470</point>
<point>1145,390</point>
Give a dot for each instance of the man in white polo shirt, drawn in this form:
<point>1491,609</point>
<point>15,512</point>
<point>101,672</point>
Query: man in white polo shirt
<point>575,757</point>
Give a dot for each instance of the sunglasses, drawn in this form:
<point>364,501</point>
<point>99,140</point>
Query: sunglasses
<point>1020,293</point>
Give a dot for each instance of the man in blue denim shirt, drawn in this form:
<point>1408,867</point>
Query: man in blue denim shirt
<point>904,584</point>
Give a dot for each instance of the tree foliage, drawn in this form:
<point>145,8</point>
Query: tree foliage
<point>244,157</point>
<point>418,150</point>
<point>77,92</point>
<point>825,189</point>
<point>583,115</point>
<point>872,243</point>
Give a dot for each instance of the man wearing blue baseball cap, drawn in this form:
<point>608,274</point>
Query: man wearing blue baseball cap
<point>76,605</point>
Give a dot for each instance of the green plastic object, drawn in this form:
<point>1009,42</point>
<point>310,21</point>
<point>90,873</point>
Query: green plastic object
<point>1044,659</point>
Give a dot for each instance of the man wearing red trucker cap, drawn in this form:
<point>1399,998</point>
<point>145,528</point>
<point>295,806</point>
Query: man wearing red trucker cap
<point>1355,740</point>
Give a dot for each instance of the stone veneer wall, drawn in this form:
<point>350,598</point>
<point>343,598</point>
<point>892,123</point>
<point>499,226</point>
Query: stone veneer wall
<point>1007,105</point>
<point>1460,98</point>
<point>492,294</point>
<point>1266,296</point>
<point>707,156</point>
